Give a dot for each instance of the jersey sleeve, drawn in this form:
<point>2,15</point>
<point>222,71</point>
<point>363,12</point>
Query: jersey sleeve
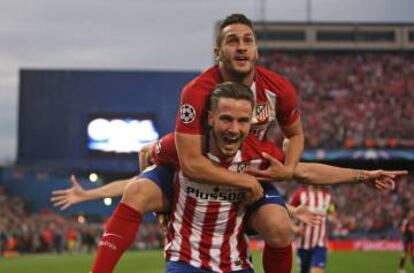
<point>164,152</point>
<point>193,110</point>
<point>274,151</point>
<point>287,109</point>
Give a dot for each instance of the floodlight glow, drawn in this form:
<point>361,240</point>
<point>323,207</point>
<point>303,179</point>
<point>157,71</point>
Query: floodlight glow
<point>93,177</point>
<point>107,201</point>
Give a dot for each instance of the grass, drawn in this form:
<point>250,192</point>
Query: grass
<point>153,262</point>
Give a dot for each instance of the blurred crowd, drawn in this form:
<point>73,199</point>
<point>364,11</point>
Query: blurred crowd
<point>362,212</point>
<point>351,100</point>
<point>24,232</point>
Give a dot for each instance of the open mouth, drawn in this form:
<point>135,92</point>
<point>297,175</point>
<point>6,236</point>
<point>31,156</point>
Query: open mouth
<point>230,139</point>
<point>241,58</point>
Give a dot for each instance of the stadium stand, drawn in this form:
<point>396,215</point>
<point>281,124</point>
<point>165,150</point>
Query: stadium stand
<point>351,100</point>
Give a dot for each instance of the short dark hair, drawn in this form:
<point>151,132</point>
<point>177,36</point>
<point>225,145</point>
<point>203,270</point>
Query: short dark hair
<point>235,18</point>
<point>231,90</point>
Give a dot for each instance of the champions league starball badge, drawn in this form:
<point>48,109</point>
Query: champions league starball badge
<point>187,113</point>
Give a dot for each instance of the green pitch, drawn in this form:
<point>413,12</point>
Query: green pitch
<point>152,262</point>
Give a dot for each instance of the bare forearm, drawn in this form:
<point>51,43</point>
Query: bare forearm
<point>198,167</point>
<point>322,174</point>
<point>113,189</point>
<point>204,171</point>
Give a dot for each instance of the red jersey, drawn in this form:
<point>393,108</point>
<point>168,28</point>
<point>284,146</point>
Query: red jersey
<point>206,228</point>
<point>276,99</point>
<point>317,201</point>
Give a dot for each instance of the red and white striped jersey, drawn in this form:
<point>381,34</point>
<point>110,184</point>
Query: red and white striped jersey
<point>206,228</point>
<point>317,200</point>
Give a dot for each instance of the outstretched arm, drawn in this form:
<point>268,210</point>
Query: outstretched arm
<point>322,174</point>
<point>76,194</point>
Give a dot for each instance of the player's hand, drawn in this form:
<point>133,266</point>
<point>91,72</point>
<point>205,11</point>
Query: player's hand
<point>298,230</point>
<point>162,220</point>
<point>380,179</point>
<point>275,172</point>
<point>68,197</point>
<point>303,214</point>
<point>254,192</point>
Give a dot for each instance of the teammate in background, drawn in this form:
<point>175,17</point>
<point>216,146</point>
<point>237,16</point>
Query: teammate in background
<point>311,245</point>
<point>407,233</point>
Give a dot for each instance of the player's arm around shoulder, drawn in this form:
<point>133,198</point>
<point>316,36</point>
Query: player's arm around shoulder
<point>197,167</point>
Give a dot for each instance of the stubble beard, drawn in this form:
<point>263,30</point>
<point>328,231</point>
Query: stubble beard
<point>234,74</point>
<point>221,151</point>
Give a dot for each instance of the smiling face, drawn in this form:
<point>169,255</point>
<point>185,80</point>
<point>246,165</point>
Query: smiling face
<point>230,124</point>
<point>236,53</point>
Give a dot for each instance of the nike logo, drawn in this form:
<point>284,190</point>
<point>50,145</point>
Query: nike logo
<point>271,196</point>
<point>111,234</point>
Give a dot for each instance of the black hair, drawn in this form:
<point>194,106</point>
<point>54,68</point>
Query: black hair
<point>235,18</point>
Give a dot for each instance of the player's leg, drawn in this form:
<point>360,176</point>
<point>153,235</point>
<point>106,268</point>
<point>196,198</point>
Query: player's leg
<point>318,261</point>
<point>145,195</point>
<point>149,192</point>
<point>304,257</point>
<point>403,256</point>
<point>269,217</point>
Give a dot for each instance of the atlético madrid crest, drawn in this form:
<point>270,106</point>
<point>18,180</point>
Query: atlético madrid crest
<point>262,112</point>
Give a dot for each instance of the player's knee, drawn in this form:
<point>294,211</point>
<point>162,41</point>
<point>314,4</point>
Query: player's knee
<point>273,224</point>
<point>138,196</point>
<point>279,235</point>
